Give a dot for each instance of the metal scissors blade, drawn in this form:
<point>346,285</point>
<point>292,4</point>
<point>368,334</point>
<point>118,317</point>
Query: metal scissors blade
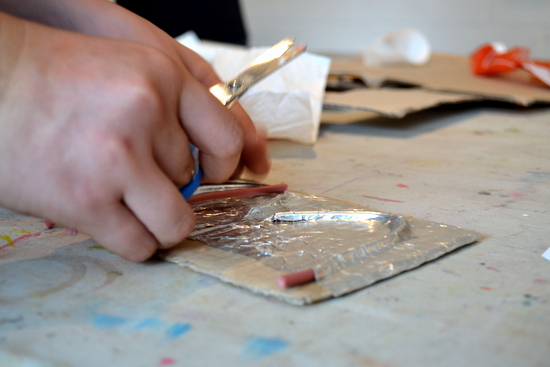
<point>274,58</point>
<point>229,92</point>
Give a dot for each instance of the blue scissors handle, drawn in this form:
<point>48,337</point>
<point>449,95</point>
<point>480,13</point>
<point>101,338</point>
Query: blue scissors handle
<point>188,190</point>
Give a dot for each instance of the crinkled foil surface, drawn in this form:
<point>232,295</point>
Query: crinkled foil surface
<point>348,248</point>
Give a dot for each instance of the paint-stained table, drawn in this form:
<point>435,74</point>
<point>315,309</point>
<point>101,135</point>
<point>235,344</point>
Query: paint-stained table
<point>64,301</point>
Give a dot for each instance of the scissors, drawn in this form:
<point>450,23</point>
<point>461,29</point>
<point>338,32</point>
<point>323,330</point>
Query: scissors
<point>229,92</point>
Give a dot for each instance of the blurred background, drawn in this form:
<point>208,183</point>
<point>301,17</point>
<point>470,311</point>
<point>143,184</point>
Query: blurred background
<point>345,26</point>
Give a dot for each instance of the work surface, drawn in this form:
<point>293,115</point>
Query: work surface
<point>487,304</point>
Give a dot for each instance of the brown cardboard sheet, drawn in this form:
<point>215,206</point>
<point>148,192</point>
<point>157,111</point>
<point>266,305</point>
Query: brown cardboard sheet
<point>444,79</point>
<point>242,271</point>
<point>392,102</point>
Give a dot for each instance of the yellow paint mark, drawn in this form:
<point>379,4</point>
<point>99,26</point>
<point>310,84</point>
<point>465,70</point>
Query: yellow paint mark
<point>96,248</point>
<point>421,163</point>
<point>19,231</point>
<point>454,288</point>
<point>13,232</point>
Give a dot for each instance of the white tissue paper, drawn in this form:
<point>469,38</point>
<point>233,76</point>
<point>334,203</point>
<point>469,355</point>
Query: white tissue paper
<point>402,46</point>
<point>288,103</point>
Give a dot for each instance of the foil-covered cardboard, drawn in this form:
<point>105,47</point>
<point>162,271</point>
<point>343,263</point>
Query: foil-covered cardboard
<point>347,247</point>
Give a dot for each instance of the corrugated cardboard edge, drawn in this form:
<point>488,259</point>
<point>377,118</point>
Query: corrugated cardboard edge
<point>242,271</point>
<point>393,103</point>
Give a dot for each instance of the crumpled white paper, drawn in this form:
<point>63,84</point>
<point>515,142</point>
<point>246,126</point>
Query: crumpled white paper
<point>286,104</point>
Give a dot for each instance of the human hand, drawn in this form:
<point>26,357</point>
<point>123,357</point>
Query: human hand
<point>95,136</point>
<point>125,25</point>
<point>105,19</point>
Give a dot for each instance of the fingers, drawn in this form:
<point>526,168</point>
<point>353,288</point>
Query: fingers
<point>122,233</point>
<point>211,128</point>
<point>254,153</point>
<point>137,212</point>
<point>152,215</point>
<point>158,204</point>
<point>198,67</point>
<point>132,211</point>
<point>172,153</point>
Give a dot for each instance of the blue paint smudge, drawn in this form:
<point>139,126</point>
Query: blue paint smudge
<point>177,330</point>
<point>537,176</point>
<point>104,321</point>
<point>261,347</point>
<point>150,323</point>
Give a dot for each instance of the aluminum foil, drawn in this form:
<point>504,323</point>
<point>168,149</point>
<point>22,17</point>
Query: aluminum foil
<point>347,247</point>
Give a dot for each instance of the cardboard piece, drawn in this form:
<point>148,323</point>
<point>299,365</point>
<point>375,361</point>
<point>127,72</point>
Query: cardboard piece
<point>404,244</point>
<point>391,102</point>
<point>242,271</point>
<point>444,79</point>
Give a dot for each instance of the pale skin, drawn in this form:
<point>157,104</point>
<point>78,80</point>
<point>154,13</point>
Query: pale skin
<point>97,110</point>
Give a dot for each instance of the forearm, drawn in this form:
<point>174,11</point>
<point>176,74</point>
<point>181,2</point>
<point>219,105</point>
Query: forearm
<point>105,19</point>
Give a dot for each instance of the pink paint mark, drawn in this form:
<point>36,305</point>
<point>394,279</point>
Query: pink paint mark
<point>382,199</point>
<point>516,194</point>
<point>69,232</point>
<point>541,281</point>
<point>167,362</point>
<point>49,224</point>
<point>493,269</point>
<point>12,243</point>
<point>402,185</point>
<point>486,288</point>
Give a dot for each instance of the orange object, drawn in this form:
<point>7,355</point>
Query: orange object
<point>487,60</point>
